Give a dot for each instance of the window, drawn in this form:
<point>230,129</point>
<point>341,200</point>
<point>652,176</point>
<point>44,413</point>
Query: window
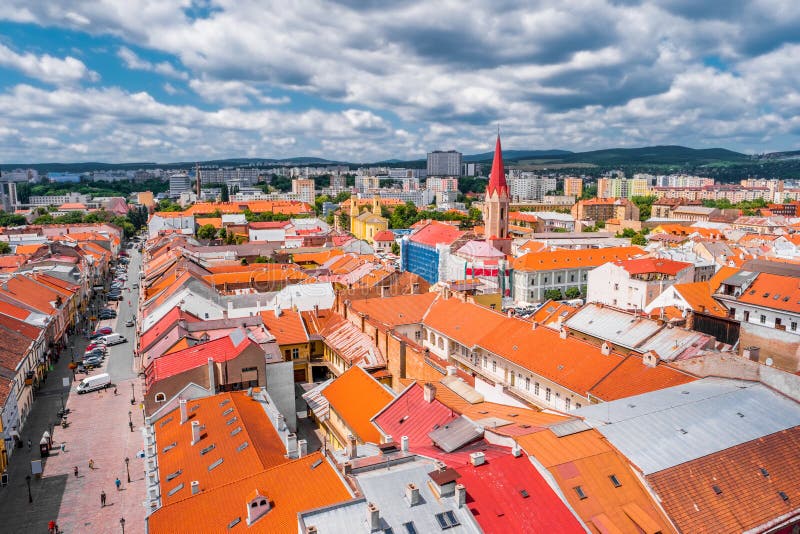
<point>577,405</point>
<point>161,397</point>
<point>295,353</point>
<point>746,316</point>
<point>616,287</point>
<point>793,326</point>
<point>485,361</point>
<point>432,338</point>
<point>615,480</point>
<point>410,528</point>
<point>579,491</point>
<point>559,279</point>
<point>447,520</point>
<point>762,319</point>
<point>536,388</point>
<point>546,279</point>
<point>287,353</point>
<point>494,366</point>
<point>441,344</point>
<point>777,322</point>
<point>417,335</point>
<point>567,403</point>
<point>572,278</point>
<point>547,395</point>
<point>527,383</point>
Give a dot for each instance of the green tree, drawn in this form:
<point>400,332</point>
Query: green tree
<point>639,240</point>
<point>168,205</point>
<point>395,248</point>
<point>207,231</point>
<point>5,248</point>
<point>11,219</point>
<point>589,192</point>
<point>224,196</point>
<point>552,294</point>
<point>645,205</point>
<point>573,292</point>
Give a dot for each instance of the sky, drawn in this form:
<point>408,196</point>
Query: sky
<point>368,80</point>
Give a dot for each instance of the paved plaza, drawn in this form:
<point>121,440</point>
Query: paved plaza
<point>98,430</point>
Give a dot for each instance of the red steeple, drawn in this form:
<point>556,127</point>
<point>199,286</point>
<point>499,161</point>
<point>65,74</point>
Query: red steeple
<point>497,179</point>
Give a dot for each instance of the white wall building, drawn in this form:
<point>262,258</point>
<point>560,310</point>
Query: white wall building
<point>633,284</point>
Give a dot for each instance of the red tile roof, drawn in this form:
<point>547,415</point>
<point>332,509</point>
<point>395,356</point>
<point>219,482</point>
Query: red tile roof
<point>220,350</point>
<point>357,397</point>
<point>164,324</point>
<point>653,265</point>
<point>565,259</point>
<point>436,233</point>
<point>384,235</point>
<point>394,311</point>
<point>288,329</point>
<point>748,498</point>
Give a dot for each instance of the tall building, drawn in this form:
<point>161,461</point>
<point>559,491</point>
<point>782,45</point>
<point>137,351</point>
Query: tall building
<point>304,188</point>
<point>529,186</point>
<point>179,183</point>
<point>444,163</point>
<point>495,208</point>
<point>573,186</point>
<point>338,181</point>
<point>437,184</point>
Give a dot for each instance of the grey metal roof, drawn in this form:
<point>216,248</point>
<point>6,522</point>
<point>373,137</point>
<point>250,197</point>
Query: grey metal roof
<point>569,427</point>
<point>456,434</point>
<point>317,402</point>
<point>671,426</point>
<point>637,333</point>
<point>386,489</point>
<point>772,267</point>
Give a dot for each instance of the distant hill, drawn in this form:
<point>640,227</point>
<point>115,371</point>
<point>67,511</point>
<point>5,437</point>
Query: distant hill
<point>519,154</point>
<point>656,155</point>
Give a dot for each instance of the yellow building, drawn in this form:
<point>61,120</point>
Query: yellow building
<point>573,187</point>
<point>366,225</point>
<point>145,198</point>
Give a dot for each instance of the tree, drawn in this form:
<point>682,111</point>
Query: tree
<point>224,196</point>
<point>589,192</point>
<point>207,231</point>
<point>573,292</point>
<point>395,248</point>
<point>5,248</point>
<point>645,205</point>
<point>639,239</point>
<point>11,219</point>
<point>552,294</point>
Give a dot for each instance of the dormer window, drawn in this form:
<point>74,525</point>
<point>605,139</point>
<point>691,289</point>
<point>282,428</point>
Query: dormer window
<point>257,505</point>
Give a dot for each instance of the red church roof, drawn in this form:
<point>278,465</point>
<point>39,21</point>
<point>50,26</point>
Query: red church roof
<point>497,179</point>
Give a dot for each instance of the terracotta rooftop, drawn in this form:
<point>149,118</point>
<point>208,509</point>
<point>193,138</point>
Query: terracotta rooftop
<point>436,233</point>
<point>566,259</point>
<point>773,291</point>
<point>357,397</point>
<point>653,265</point>
<point>288,328</point>
<point>394,311</point>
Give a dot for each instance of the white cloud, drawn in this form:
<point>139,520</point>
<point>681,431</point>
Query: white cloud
<point>134,62</point>
<point>170,89</point>
<point>46,67</point>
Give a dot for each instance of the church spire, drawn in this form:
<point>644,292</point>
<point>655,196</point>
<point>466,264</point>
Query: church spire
<point>497,179</point>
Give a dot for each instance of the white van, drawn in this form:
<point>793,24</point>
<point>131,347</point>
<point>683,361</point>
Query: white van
<point>114,339</point>
<point>91,383</point>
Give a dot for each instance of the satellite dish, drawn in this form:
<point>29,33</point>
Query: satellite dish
<point>769,362</point>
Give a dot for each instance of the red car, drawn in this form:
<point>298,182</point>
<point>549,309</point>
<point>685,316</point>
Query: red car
<point>102,331</point>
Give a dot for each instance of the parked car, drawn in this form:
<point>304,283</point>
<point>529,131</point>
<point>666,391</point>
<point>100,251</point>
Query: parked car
<point>95,353</point>
<point>129,323</point>
<point>95,344</point>
<point>115,339</point>
<point>106,315</point>
<point>135,286</point>
<point>115,296</point>
<point>92,361</point>
<point>103,331</point>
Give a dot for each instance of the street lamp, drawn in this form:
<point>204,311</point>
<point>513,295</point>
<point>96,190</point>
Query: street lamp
<point>127,469</point>
<point>122,524</point>
<point>28,480</point>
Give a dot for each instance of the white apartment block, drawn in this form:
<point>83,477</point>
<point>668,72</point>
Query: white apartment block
<point>57,200</point>
<point>438,184</point>
<point>529,186</point>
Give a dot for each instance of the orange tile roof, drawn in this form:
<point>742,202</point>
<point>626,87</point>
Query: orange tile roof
<point>265,448</point>
<point>285,207</point>
<point>216,222</point>
<point>373,278</point>
<point>288,329</point>
<point>533,246</point>
<point>33,294</point>
<point>12,261</point>
<point>28,249</point>
<point>357,397</point>
<point>698,296</point>
<point>633,377</point>
<point>773,291</point>
<point>653,265</point>
<point>564,259</point>
<point>585,459</point>
<point>551,311</point>
<point>257,276</point>
<point>748,498</point>
<point>394,311</point>
<point>525,216</point>
<point>293,487</point>
<point>317,258</point>
<point>72,206</point>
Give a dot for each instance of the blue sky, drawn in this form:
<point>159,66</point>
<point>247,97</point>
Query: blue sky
<point>161,80</point>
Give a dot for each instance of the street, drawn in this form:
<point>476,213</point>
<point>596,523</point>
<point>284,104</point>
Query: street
<point>99,430</point>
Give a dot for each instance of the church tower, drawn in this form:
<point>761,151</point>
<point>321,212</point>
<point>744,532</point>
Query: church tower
<point>496,204</point>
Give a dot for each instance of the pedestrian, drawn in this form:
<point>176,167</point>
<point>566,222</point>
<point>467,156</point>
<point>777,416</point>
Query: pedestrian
<point>63,447</point>
<point>115,390</point>
<point>91,463</point>
<point>75,470</point>
<point>130,424</point>
<point>117,483</point>
<point>52,527</point>
<point>30,445</point>
<point>102,499</point>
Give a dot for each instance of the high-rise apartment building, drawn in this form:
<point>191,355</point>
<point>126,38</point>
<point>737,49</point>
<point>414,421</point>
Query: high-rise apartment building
<point>444,163</point>
<point>437,184</point>
<point>304,188</point>
<point>529,186</point>
<point>573,187</point>
<point>179,183</point>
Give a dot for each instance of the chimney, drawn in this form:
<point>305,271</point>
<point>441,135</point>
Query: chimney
<point>312,529</point>
<point>429,392</point>
<point>212,380</point>
<point>477,458</point>
<point>352,446</point>
<point>374,515</point>
<point>278,310</point>
<point>195,487</point>
<point>562,333</point>
<point>415,288</point>
<point>461,495</point>
<point>281,422</point>
<point>510,313</point>
<point>316,310</point>
<point>388,438</point>
<point>184,414</point>
<point>516,450</point>
<point>650,358</point>
<point>384,291</point>
<point>404,443</point>
<point>195,432</point>
<point>534,324</point>
<point>605,348</point>
<point>291,445</point>
<point>452,370</point>
<point>752,353</point>
<point>302,448</point>
<point>412,494</point>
